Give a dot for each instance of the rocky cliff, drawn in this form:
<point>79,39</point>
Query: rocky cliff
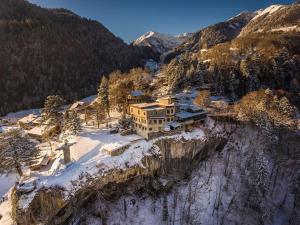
<point>236,175</point>
<point>245,180</point>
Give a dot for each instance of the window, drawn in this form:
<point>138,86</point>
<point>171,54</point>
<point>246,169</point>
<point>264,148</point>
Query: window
<point>150,129</point>
<point>144,113</point>
<point>168,111</point>
<point>154,121</point>
<point>172,111</point>
<point>160,121</point>
<point>168,119</point>
<point>139,112</point>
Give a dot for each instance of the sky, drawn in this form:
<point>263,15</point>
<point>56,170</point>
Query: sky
<point>129,19</point>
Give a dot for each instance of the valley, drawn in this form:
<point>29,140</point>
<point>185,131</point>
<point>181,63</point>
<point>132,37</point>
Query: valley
<point>196,128</point>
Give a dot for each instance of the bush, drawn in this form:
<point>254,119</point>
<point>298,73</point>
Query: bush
<point>267,111</point>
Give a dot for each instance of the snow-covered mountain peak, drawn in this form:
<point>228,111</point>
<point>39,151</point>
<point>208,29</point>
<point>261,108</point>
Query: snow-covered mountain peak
<point>161,42</point>
<point>269,10</point>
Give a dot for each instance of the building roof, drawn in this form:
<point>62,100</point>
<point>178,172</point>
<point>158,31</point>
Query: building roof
<point>77,105</point>
<point>137,93</point>
<point>152,108</point>
<point>30,118</point>
<point>187,115</point>
<point>115,146</point>
<point>145,105</point>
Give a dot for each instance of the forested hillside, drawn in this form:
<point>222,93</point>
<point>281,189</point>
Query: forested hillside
<point>248,62</point>
<point>44,52</point>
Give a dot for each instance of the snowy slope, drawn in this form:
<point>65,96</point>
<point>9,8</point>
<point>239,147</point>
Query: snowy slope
<point>161,42</point>
<point>275,18</point>
<point>271,9</point>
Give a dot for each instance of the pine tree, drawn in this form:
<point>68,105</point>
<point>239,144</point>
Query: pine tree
<point>72,122</point>
<point>103,94</point>
<point>16,150</point>
<point>51,114</point>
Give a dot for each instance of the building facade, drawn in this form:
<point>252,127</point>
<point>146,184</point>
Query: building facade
<point>151,117</point>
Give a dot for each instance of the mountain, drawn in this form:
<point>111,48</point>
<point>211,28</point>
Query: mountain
<point>275,18</point>
<point>213,35</point>
<point>161,42</point>
<point>262,52</point>
<point>54,51</point>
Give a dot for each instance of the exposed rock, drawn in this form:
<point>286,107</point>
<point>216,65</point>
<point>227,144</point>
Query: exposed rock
<point>246,180</point>
<point>174,162</point>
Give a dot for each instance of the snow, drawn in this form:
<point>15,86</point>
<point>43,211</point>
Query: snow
<point>137,93</point>
<point>7,181</point>
<point>161,42</point>
<point>233,49</point>
<point>286,29</point>
<point>36,131</point>
<point>5,211</point>
<point>90,157</point>
<point>29,118</point>
<point>271,9</point>
<point>152,65</point>
<point>207,61</point>
<point>20,114</point>
<point>92,141</point>
<point>88,99</point>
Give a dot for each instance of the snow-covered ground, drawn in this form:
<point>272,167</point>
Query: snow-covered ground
<point>91,141</point>
<point>6,182</point>
<point>91,158</point>
<point>5,211</point>
<point>89,153</point>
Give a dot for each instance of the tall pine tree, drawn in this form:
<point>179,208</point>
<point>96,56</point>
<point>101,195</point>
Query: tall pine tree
<point>103,95</point>
<point>51,113</point>
<point>72,122</point>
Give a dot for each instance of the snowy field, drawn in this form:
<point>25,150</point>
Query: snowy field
<point>88,153</point>
<point>92,141</point>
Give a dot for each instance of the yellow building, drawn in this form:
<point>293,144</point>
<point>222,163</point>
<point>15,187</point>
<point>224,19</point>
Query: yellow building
<point>151,117</point>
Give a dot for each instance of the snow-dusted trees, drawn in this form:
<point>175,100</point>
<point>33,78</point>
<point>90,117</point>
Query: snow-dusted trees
<point>72,122</point>
<point>51,113</point>
<point>267,111</point>
<point>118,94</point>
<point>262,174</point>
<point>202,98</point>
<point>103,95</point>
<point>184,72</point>
<point>16,150</point>
<point>175,74</point>
<point>97,113</point>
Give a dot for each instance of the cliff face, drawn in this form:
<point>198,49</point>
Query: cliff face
<point>235,176</point>
<point>245,180</point>
<point>54,51</point>
<point>55,205</point>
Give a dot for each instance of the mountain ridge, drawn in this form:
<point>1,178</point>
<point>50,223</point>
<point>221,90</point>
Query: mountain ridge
<point>161,42</point>
<point>38,46</point>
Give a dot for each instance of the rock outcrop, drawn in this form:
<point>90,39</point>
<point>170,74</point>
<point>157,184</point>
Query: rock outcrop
<point>237,175</point>
<point>246,179</point>
<point>172,160</point>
